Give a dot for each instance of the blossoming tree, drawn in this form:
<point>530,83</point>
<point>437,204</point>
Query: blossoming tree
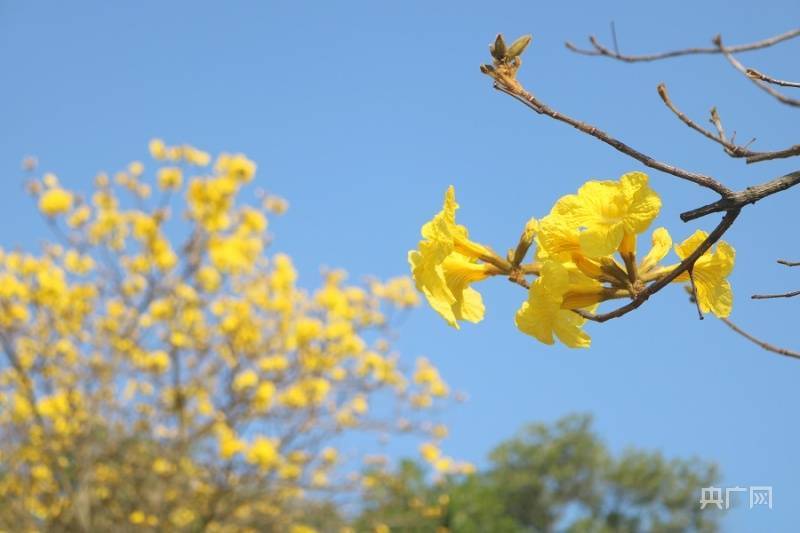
<point>160,370</point>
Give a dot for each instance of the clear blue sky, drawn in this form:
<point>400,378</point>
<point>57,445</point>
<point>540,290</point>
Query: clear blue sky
<point>361,114</point>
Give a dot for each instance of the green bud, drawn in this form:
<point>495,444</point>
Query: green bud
<point>518,46</point>
<point>498,51</point>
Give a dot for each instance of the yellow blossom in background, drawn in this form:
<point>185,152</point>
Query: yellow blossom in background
<point>170,178</point>
<point>236,166</point>
<point>276,205</point>
<point>263,452</point>
<point>55,201</point>
<point>301,528</point>
<point>157,149</point>
<point>168,363</point>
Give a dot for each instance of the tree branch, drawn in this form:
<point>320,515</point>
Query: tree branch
<point>788,263</point>
<point>600,50</point>
<point>770,296</point>
<point>778,154</point>
<point>730,200</point>
<point>741,68</point>
<point>742,198</point>
<point>532,102</point>
<point>767,346</point>
<point>753,73</point>
<point>733,150</point>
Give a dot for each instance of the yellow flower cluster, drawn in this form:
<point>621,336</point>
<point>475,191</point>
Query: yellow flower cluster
<point>166,372</point>
<point>585,254</point>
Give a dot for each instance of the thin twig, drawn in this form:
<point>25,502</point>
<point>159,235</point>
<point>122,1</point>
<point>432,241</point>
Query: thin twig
<point>788,263</point>
<point>728,53</point>
<point>730,200</point>
<point>600,50</point>
<point>694,294</point>
<point>750,195</point>
<point>731,148</point>
<point>734,150</point>
<point>753,73</point>
<point>778,154</point>
<point>614,37</point>
<point>700,179</point>
<point>771,296</point>
<point>767,346</point>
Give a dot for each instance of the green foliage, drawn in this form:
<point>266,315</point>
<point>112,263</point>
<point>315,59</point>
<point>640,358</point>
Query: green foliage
<point>558,477</point>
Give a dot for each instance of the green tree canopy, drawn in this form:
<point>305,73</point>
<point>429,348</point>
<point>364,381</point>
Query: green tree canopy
<point>558,477</point>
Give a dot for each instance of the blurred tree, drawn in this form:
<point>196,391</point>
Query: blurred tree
<point>549,478</point>
<point>166,373</point>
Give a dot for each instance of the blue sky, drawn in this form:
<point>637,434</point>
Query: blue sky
<point>362,113</point>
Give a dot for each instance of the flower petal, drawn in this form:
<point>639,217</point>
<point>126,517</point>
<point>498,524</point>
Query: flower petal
<point>662,242</point>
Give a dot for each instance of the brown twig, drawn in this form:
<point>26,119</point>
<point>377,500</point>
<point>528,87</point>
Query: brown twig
<point>750,195</point>
<point>730,200</point>
<point>753,73</point>
<point>693,291</point>
<point>600,50</point>
<point>765,345</point>
<point>532,102</point>
<point>771,296</point>
<point>788,263</point>
<point>778,154</point>
<point>728,53</point>
<point>732,149</point>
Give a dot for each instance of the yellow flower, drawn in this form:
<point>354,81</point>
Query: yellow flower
<point>236,166</point>
<point>263,452</point>
<point>262,399</point>
<point>137,517</point>
<point>136,168</point>
<point>302,528</point>
<point>170,178</point>
<point>446,264</point>
<point>662,242</point>
<point>245,380</point>
<point>606,211</point>
<point>157,149</point>
<point>710,274</point>
<point>544,313</point>
<point>55,201</point>
<point>329,455</point>
<point>430,452</point>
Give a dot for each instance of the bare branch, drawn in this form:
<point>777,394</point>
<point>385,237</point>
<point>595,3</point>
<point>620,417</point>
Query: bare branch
<point>693,292</point>
<point>779,154</point>
<point>767,346</point>
<point>770,296</point>
<point>733,150</point>
<point>788,263</point>
<point>532,102</point>
<point>600,50</point>
<point>762,85</point>
<point>742,198</point>
<point>730,200</point>
<point>753,73</point>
